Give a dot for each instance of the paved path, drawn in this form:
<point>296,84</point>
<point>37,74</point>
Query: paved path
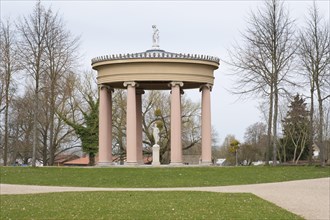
<point>307,198</point>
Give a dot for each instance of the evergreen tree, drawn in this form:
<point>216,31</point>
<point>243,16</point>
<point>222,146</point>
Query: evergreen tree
<point>296,130</point>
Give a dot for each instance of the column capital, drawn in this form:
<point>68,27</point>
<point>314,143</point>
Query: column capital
<point>174,83</point>
<point>104,86</point>
<point>207,85</point>
<point>131,83</point>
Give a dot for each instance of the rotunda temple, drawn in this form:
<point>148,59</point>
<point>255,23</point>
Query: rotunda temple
<point>154,69</point>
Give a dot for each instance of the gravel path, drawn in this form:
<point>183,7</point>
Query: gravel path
<point>307,198</point>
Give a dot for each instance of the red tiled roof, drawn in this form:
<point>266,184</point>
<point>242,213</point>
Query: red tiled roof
<point>64,158</point>
<point>81,161</point>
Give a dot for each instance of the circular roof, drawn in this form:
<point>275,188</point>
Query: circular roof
<point>155,68</point>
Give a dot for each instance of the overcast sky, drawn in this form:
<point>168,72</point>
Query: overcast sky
<point>202,27</point>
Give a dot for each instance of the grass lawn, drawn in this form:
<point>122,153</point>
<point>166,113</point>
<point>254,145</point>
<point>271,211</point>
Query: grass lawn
<point>157,177</point>
<point>140,205</point>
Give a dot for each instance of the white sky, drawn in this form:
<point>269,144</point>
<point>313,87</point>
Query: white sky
<point>202,27</point>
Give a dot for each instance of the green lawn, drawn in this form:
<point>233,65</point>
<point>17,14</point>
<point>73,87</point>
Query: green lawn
<point>140,205</point>
<point>157,177</point>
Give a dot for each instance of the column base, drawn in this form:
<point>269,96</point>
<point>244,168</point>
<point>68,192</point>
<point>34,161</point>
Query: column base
<point>131,163</point>
<point>176,164</point>
<point>104,164</point>
<point>206,163</point>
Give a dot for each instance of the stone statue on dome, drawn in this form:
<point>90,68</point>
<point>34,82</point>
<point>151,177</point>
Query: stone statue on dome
<point>155,37</point>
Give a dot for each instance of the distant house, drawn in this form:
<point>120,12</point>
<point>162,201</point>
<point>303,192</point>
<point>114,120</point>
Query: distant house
<point>62,158</point>
<point>82,161</point>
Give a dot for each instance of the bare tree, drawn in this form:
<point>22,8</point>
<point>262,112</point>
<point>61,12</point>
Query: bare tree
<point>314,54</point>
<point>48,53</point>
<point>8,66</point>
<point>61,53</point>
<point>33,30</point>
<point>255,138</point>
<point>22,126</point>
<point>255,133</point>
<point>263,63</point>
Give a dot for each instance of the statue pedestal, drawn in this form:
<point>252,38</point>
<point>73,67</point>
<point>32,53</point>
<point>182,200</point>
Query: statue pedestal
<point>155,155</point>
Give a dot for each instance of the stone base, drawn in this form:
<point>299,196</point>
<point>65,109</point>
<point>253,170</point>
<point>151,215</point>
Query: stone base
<point>176,164</point>
<point>206,163</point>
<point>104,164</point>
<point>155,164</point>
<point>155,155</point>
<point>131,163</point>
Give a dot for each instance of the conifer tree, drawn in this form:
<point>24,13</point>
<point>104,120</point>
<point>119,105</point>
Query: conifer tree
<point>296,130</point>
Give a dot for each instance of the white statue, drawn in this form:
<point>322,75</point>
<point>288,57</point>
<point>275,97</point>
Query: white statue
<point>156,133</point>
<point>155,37</point>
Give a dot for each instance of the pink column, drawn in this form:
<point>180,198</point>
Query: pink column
<point>176,146</point>
<point>139,150</point>
<point>131,124</point>
<point>206,125</point>
<point>105,126</point>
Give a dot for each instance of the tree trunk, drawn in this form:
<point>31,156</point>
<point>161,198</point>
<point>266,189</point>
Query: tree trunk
<point>284,154</point>
<point>91,159</point>
<point>311,122</point>
<point>320,133</point>
<point>44,149</point>
<point>302,145</point>
<point>294,153</point>
<point>269,131</point>
<point>321,118</point>
<point>275,73</point>
<point>35,121</point>
<point>51,127</point>
<point>275,125</point>
<point>5,153</point>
